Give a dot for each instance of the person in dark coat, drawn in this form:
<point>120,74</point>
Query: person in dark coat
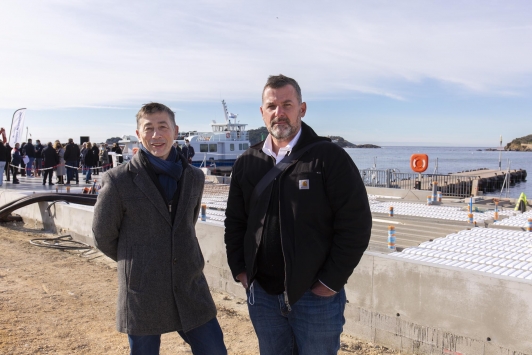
<point>144,219</point>
<point>16,160</point>
<point>51,159</point>
<point>188,151</point>
<point>3,159</point>
<point>8,161</point>
<point>294,245</point>
<point>91,160</point>
<point>22,151</point>
<point>96,152</point>
<point>38,157</point>
<point>82,154</point>
<point>71,157</point>
<point>29,151</point>
<point>117,150</point>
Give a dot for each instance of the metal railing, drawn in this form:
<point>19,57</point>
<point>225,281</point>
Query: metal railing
<point>449,185</point>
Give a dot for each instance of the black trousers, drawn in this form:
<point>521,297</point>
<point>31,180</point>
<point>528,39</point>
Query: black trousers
<point>48,173</point>
<point>14,171</point>
<point>7,170</point>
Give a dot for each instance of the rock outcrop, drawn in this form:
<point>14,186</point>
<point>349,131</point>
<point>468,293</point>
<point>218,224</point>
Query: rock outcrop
<point>523,144</point>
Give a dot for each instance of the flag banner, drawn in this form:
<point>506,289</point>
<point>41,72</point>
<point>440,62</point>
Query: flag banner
<point>17,127</point>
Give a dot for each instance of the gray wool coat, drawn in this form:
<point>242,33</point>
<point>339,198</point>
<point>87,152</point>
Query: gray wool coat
<point>161,285</point>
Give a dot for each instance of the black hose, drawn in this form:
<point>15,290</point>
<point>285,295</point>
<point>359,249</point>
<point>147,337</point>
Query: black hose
<point>64,242</point>
<point>80,199</point>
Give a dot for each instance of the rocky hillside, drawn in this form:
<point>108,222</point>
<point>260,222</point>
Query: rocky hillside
<point>259,134</point>
<point>520,144</point>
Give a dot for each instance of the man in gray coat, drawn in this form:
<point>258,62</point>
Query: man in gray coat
<point>144,219</point>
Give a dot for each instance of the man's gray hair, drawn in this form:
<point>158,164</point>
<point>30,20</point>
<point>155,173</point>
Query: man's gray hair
<point>279,81</point>
<point>154,107</point>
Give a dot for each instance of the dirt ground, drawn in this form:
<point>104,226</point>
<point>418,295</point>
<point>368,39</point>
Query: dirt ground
<point>63,302</point>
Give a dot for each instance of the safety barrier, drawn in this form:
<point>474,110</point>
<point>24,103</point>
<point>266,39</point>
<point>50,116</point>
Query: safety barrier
<point>447,185</point>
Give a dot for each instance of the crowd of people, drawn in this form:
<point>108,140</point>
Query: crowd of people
<point>38,160</point>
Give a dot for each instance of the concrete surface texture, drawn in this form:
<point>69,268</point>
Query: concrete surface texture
<point>405,304</point>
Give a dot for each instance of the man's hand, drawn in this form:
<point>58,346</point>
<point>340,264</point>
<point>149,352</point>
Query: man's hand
<point>243,278</point>
<point>319,289</point>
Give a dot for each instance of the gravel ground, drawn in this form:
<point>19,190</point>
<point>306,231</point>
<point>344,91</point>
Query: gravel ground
<point>63,302</point>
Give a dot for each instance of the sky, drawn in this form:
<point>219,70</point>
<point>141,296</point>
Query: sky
<point>438,73</point>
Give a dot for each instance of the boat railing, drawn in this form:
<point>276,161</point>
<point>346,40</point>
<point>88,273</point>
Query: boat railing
<point>223,136</point>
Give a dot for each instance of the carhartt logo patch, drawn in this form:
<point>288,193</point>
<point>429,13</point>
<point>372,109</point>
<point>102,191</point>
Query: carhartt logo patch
<point>303,185</point>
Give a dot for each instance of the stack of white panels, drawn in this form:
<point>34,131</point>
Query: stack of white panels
<point>432,211</point>
<point>494,251</point>
<point>517,220</point>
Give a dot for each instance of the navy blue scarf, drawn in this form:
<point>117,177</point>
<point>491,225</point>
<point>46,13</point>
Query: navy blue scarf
<point>168,171</point>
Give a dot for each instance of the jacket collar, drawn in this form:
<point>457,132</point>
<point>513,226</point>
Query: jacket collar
<point>308,136</point>
<point>148,188</point>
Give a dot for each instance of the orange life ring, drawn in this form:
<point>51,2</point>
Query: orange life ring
<point>228,134</point>
<point>419,162</point>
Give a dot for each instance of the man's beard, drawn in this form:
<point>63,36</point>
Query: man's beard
<point>282,132</point>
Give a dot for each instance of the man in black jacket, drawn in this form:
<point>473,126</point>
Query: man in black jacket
<point>51,159</point>
<point>30,153</point>
<point>71,157</point>
<point>188,151</point>
<point>7,169</point>
<point>38,157</point>
<point>16,160</point>
<point>294,246</point>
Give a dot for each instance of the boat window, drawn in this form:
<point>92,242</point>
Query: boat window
<point>213,147</point>
<point>240,146</point>
<point>203,148</point>
<point>232,147</point>
<point>246,146</point>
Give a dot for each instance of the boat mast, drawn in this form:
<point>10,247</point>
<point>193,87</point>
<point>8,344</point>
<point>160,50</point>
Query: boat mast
<point>225,111</point>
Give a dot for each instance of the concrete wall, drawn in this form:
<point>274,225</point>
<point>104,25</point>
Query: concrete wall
<point>410,306</point>
<point>416,307</point>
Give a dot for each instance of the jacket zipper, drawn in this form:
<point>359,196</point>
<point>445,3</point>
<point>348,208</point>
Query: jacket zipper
<point>286,301</point>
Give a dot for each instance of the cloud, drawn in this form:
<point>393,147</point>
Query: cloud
<point>99,54</point>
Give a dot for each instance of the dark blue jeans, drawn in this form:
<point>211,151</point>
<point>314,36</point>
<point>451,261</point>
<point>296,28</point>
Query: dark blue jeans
<point>88,173</point>
<point>29,166</point>
<point>312,327</point>
<point>207,339</point>
<point>72,173</point>
<point>38,166</point>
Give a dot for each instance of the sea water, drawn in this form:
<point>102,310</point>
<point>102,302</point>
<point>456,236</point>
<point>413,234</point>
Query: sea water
<point>449,160</point>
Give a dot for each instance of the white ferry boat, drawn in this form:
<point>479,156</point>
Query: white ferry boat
<point>222,146</point>
<point>216,150</point>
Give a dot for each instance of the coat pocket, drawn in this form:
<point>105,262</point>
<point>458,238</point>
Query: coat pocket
<point>141,260</point>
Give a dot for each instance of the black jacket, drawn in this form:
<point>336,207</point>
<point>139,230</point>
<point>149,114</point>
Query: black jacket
<point>329,223</point>
<point>3,152</point>
<point>188,152</point>
<point>71,152</point>
<point>38,150</point>
<point>50,157</point>
<point>8,153</point>
<point>91,158</point>
<point>16,158</point>
<point>29,150</point>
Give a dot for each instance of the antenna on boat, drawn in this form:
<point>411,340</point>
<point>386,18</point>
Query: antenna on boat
<point>225,111</point>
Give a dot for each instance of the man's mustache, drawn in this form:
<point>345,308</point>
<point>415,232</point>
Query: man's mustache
<point>282,120</point>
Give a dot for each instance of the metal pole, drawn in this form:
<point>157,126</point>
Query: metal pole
<point>26,134</point>
<point>508,181</point>
<point>500,153</point>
